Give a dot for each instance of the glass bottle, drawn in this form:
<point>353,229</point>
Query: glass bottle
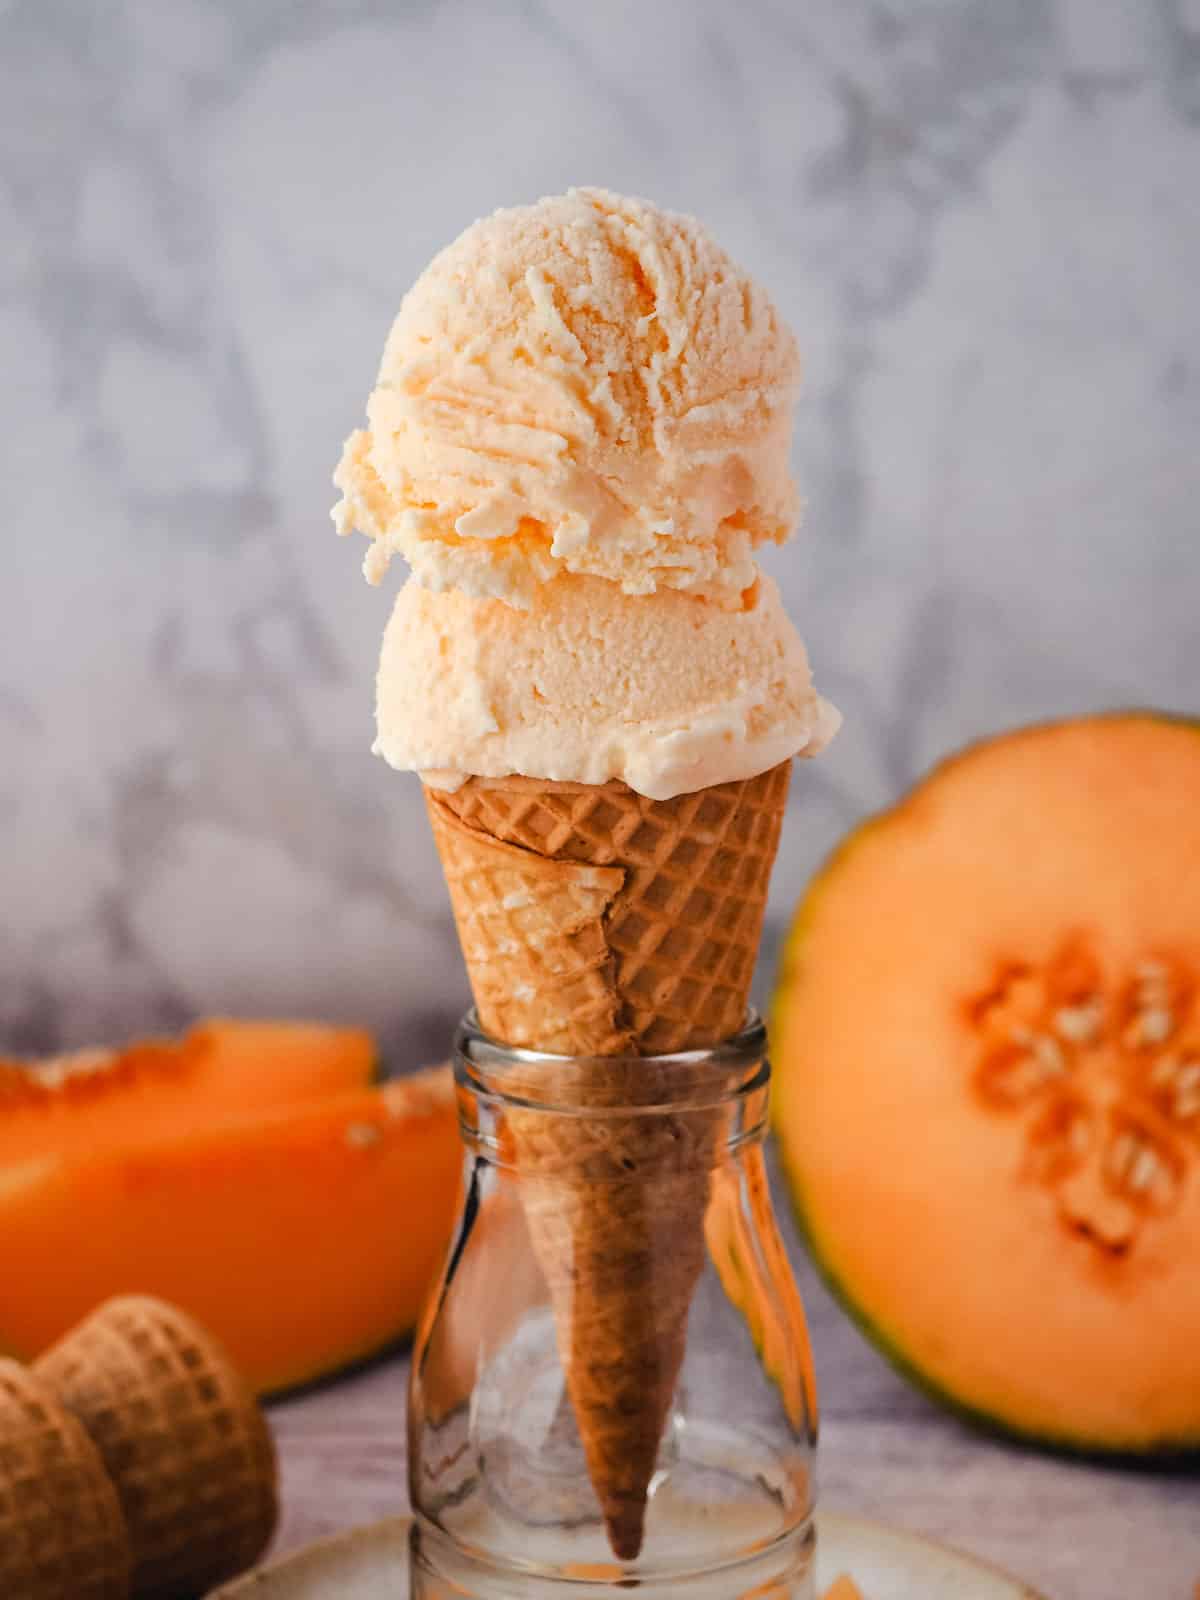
<point>667,1152</point>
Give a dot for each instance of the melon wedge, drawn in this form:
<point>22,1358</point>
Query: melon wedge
<point>220,1071</point>
<point>304,1238</point>
<point>987,1048</point>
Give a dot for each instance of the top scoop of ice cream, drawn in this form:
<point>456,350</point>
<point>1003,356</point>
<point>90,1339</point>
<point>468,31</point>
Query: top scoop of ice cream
<point>588,385</point>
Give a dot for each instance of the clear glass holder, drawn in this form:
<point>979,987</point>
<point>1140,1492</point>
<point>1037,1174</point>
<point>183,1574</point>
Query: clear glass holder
<point>612,1385</point>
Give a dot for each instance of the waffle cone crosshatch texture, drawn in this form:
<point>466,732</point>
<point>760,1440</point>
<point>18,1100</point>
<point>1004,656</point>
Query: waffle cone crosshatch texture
<point>62,1531</point>
<point>181,1437</point>
<point>595,922</point>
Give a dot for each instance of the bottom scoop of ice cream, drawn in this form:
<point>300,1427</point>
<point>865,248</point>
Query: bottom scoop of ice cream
<point>666,692</point>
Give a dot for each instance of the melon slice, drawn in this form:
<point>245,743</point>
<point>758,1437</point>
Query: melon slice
<point>222,1070</point>
<point>304,1238</point>
<point>987,1051</point>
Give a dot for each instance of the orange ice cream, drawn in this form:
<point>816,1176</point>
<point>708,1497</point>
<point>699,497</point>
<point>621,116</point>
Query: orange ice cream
<point>578,438</point>
<point>586,385</point>
<point>667,692</point>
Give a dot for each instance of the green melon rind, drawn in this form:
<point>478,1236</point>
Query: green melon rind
<point>1168,1451</point>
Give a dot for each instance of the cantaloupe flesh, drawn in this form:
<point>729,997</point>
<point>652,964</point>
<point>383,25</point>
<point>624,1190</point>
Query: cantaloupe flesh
<point>912,1192</point>
<point>222,1070</point>
<point>843,1588</point>
<point>305,1239</point>
<point>749,1258</point>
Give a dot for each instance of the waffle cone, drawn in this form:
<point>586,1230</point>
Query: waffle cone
<point>598,923</point>
<point>62,1535</point>
<point>182,1437</point>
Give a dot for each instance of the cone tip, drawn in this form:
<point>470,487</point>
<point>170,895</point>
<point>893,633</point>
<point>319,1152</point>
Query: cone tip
<point>625,1524</point>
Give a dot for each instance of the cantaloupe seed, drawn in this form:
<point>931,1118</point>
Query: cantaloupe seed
<point>362,1135</point>
<point>1086,1058</point>
<point>73,1066</point>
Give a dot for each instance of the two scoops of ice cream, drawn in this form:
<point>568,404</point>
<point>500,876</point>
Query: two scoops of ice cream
<point>579,435</point>
<point>578,439</point>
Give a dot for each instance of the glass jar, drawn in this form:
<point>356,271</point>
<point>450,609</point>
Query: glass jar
<point>612,1385</point>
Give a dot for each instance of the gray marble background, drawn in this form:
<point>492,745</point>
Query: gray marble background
<point>981,216</point>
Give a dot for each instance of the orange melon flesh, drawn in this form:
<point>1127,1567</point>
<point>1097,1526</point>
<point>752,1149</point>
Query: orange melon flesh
<point>843,1588</point>
<point>305,1238</point>
<point>222,1070</point>
<point>1015,1222</point>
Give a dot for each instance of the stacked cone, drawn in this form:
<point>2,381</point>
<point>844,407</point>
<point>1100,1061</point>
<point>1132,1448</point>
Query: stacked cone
<point>133,1462</point>
<point>181,1437</point>
<point>597,923</point>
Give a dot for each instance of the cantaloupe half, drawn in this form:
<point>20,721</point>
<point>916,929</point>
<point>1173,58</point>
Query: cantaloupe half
<point>222,1070</point>
<point>305,1237</point>
<point>987,1051</point>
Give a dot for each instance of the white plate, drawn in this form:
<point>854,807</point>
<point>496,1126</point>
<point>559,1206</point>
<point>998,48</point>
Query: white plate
<point>888,1564</point>
<point>371,1564</point>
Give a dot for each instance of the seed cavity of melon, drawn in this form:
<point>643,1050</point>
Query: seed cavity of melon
<point>1109,1075</point>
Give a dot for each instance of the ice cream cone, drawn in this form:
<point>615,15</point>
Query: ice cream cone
<point>62,1535</point>
<point>579,438</point>
<point>182,1438</point>
<point>598,923</point>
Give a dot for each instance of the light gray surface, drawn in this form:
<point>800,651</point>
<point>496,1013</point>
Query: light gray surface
<point>1077,1532</point>
<point>980,217</point>
<point>370,1563</point>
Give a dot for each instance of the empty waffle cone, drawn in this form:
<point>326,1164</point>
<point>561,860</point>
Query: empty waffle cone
<point>182,1437</point>
<point>62,1535</point>
<point>598,923</point>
